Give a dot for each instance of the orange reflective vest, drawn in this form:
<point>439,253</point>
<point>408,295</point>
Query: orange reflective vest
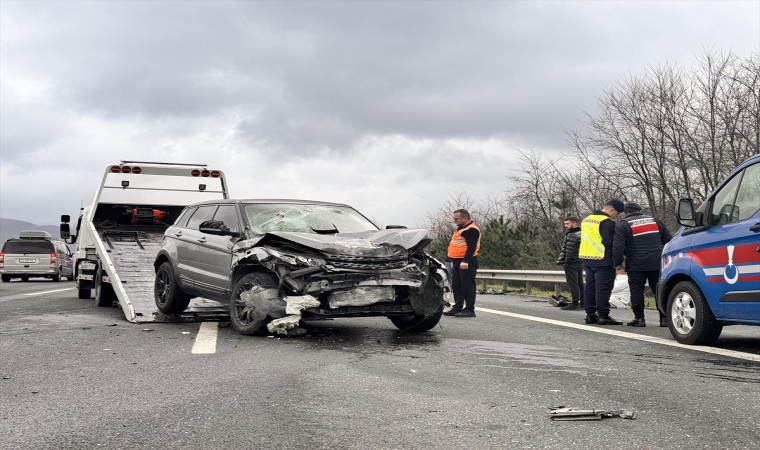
<point>458,246</point>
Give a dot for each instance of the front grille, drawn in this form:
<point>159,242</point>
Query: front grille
<point>367,262</point>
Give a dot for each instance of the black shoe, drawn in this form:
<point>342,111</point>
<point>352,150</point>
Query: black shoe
<point>591,318</point>
<point>451,312</point>
<point>465,313</point>
<point>663,322</point>
<point>637,322</point>
<point>607,320</point>
<point>571,307</point>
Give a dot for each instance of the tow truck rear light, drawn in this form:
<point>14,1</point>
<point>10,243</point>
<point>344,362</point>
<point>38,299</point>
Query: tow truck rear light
<point>115,169</point>
<point>205,173</point>
<point>215,173</point>
<point>136,170</point>
<point>196,173</point>
<point>126,169</point>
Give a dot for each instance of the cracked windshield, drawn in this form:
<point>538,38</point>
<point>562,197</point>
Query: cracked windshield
<point>306,219</point>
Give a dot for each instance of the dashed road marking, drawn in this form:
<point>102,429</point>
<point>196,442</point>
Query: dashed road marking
<point>48,292</point>
<point>624,334</point>
<point>205,342</point>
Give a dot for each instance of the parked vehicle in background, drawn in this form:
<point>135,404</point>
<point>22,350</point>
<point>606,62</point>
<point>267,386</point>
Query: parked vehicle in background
<point>710,273</point>
<point>119,234</point>
<point>35,254</point>
<point>279,261</point>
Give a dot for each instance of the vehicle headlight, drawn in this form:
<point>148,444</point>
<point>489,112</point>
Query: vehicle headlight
<point>295,259</point>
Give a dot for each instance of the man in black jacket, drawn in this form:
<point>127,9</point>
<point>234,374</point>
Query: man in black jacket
<point>571,263</point>
<point>639,240</point>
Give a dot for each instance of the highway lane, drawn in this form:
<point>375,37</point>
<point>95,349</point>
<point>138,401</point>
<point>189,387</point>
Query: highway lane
<point>79,376</point>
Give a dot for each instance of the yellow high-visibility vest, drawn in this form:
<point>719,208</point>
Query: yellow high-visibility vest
<point>591,238</point>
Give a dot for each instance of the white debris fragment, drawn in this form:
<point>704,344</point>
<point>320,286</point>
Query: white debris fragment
<point>281,326</point>
<point>296,304</point>
<point>362,296</point>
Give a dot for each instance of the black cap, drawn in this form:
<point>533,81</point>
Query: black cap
<point>633,205</point>
<point>617,204</point>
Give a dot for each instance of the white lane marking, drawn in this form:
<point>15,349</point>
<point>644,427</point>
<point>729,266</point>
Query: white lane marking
<point>48,292</point>
<point>640,337</point>
<point>205,342</point>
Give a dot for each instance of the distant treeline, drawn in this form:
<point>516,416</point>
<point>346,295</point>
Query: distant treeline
<point>658,136</point>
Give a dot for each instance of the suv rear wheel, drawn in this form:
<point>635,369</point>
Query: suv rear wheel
<point>689,316</point>
<point>170,299</point>
<point>243,315</point>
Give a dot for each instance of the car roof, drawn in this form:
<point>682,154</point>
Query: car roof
<point>268,201</point>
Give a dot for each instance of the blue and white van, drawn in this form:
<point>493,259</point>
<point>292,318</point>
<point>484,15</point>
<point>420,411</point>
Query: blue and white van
<point>710,272</point>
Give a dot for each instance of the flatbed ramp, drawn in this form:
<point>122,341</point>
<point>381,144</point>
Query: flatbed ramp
<point>132,254</point>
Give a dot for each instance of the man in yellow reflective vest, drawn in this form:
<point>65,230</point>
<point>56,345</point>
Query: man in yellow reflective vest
<point>597,237</point>
<point>463,255</point>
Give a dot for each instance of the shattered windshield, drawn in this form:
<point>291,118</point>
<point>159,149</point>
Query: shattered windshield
<point>266,218</point>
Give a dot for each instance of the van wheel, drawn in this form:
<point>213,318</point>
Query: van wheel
<point>84,293</point>
<point>170,299</point>
<point>71,278</point>
<point>689,316</point>
<point>244,316</point>
<point>417,323</point>
<point>104,294</point>
<point>57,276</point>
<point>6,278</point>
<point>25,278</point>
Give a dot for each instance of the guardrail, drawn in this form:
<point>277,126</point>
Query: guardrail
<point>529,276</point>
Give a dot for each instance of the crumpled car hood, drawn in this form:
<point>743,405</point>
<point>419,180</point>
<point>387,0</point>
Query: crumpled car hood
<point>366,243</point>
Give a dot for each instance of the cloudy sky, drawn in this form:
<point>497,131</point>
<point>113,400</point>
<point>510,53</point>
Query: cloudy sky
<point>389,106</point>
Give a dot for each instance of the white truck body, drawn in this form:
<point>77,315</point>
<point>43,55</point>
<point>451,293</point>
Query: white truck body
<point>119,234</point>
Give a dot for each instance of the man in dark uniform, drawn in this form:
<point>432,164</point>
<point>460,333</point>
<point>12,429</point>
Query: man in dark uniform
<point>639,240</point>
<point>463,254</point>
<point>571,263</point>
<point>597,236</point>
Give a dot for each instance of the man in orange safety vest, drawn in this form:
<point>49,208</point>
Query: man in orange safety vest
<point>463,255</point>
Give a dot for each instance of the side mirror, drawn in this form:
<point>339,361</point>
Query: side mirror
<point>65,230</point>
<point>65,219</point>
<point>393,227</point>
<point>217,227</point>
<point>685,213</point>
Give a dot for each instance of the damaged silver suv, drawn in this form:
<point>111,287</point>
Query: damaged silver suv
<point>277,262</point>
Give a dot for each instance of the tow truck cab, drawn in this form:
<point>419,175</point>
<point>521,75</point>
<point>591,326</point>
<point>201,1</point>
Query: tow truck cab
<point>710,271</point>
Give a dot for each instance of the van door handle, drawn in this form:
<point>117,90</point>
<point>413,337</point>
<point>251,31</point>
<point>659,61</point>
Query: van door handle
<point>178,234</point>
<point>755,227</point>
<point>202,240</point>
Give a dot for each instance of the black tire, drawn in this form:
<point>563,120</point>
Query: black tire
<point>689,316</point>
<point>417,323</point>
<point>241,313</point>
<point>84,293</point>
<point>104,294</point>
<point>169,298</point>
<point>71,278</point>
<point>25,278</point>
<point>6,278</point>
<point>57,276</point>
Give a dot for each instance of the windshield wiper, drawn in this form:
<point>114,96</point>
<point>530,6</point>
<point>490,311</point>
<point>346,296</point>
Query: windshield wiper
<point>332,230</point>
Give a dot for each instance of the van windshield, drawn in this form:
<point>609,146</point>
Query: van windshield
<point>28,247</point>
<point>265,218</point>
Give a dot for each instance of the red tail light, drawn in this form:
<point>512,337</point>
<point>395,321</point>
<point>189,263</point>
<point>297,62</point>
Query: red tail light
<point>115,169</point>
<point>52,258</point>
<point>215,173</point>
<point>196,172</point>
<point>126,169</point>
<point>205,173</point>
<point>2,257</point>
<point>136,170</point>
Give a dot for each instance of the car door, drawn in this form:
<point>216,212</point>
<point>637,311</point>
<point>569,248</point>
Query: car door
<point>729,250</point>
<point>215,253</point>
<point>190,250</point>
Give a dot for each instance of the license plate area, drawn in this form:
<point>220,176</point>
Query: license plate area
<point>27,261</point>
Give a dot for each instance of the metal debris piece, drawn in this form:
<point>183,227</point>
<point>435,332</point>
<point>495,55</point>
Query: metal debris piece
<point>566,413</point>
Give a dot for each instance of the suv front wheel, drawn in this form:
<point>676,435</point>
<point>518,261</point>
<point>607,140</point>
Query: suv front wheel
<point>244,315</point>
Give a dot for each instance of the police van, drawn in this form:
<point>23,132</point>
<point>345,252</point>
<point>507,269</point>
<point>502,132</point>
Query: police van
<point>710,274</point>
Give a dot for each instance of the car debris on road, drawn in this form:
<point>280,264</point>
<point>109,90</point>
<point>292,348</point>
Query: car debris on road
<point>567,413</point>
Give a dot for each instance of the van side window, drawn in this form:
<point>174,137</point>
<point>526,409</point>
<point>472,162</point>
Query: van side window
<point>748,198</point>
<point>227,214</point>
<point>182,219</point>
<point>722,210</point>
<point>203,214</point>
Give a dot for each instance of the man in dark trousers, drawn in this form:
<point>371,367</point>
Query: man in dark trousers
<point>597,236</point>
<point>463,254</point>
<point>639,240</point>
<point>571,263</point>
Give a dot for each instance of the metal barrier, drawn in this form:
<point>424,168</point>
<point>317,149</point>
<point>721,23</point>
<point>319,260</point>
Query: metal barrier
<point>529,276</point>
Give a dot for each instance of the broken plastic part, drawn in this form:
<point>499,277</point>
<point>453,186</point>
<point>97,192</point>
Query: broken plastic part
<point>362,296</point>
<point>297,304</point>
<point>281,326</point>
<point>565,413</point>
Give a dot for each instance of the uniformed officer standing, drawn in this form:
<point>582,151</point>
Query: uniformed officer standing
<point>463,254</point>
<point>639,240</point>
<point>597,236</point>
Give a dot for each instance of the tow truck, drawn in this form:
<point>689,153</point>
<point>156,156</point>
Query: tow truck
<point>118,236</point>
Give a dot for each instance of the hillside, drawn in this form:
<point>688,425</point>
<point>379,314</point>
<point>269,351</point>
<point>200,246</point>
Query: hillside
<point>10,228</point>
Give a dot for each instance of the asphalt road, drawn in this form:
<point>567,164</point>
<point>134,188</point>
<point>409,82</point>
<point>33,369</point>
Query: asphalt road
<point>78,376</point>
